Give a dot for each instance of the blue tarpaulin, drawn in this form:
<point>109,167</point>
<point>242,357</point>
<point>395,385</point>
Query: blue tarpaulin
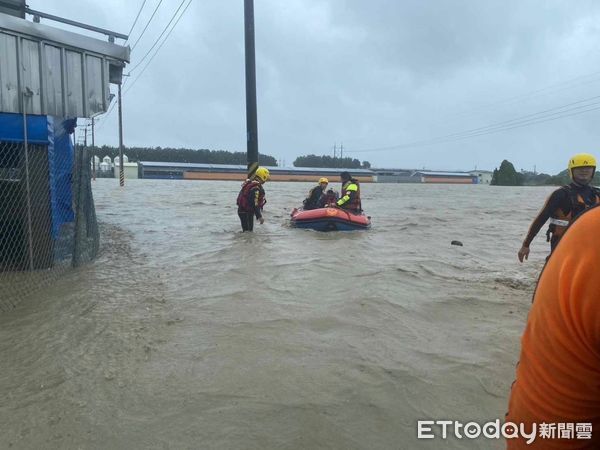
<point>54,134</point>
<point>11,128</point>
<point>60,162</point>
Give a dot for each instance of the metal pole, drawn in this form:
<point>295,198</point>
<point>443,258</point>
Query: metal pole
<point>121,172</point>
<point>251,119</point>
<point>110,34</point>
<point>93,153</point>
<point>76,259</point>
<point>28,189</point>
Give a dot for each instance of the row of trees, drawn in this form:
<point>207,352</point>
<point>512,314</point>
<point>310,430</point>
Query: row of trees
<point>203,156</point>
<point>183,155</point>
<point>330,162</point>
<point>506,175</point>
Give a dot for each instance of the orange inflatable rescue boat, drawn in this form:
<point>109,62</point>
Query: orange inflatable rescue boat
<point>329,219</point>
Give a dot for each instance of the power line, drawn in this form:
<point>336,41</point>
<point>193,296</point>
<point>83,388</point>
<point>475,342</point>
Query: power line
<point>146,27</point>
<point>530,119</point>
<point>157,39</point>
<point>135,21</point>
<point>547,118</point>
<point>534,122</point>
<point>570,83</point>
<point>112,107</point>
<point>105,116</point>
<point>563,85</point>
<point>160,46</point>
<point>457,138</point>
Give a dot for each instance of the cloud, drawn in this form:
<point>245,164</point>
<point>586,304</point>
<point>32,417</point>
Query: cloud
<point>368,74</point>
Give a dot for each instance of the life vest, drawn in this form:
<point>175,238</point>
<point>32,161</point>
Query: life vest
<point>310,202</point>
<point>559,221</point>
<point>330,197</point>
<point>354,203</point>
<point>244,202</point>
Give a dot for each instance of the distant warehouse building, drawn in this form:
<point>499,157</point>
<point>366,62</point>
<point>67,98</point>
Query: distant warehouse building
<point>447,177</point>
<point>188,171</point>
<point>423,176</point>
<point>483,176</point>
<point>397,176</point>
<point>130,169</point>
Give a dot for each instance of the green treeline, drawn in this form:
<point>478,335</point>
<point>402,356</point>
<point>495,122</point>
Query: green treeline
<point>203,156</point>
<point>330,162</point>
<point>181,155</point>
<point>563,178</point>
<point>506,175</point>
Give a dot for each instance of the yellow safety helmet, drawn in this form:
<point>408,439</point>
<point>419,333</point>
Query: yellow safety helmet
<point>263,174</point>
<point>323,180</point>
<point>581,160</point>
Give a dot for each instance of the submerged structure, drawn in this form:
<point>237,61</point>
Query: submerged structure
<point>49,77</point>
<point>188,171</point>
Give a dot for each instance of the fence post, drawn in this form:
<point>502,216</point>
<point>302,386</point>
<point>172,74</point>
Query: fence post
<point>77,190</point>
<point>27,191</point>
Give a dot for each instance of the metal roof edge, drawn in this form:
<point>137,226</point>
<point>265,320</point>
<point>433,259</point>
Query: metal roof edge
<point>243,167</point>
<point>68,38</point>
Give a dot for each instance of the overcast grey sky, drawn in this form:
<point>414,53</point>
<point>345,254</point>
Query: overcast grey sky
<point>372,74</point>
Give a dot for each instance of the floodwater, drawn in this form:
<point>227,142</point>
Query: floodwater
<point>188,334</point>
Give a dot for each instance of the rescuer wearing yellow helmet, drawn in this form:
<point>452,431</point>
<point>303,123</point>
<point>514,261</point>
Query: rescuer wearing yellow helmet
<point>313,200</point>
<point>566,203</point>
<point>350,199</point>
<point>251,199</point>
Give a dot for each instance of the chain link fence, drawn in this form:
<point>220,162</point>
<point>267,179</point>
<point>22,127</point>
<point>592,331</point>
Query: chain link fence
<point>47,216</point>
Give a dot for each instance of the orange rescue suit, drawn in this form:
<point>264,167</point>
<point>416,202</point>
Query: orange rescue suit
<point>558,375</point>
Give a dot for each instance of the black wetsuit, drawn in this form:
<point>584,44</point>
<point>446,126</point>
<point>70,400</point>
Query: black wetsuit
<point>314,197</point>
<point>250,204</point>
<point>564,204</point>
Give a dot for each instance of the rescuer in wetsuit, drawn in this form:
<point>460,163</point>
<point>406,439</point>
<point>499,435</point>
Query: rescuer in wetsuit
<point>314,196</point>
<point>559,368</point>
<point>251,199</point>
<point>566,203</point>
<point>350,199</point>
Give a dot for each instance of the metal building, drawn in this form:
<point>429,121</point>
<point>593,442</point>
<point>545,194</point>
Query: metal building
<point>447,177</point>
<point>48,78</point>
<point>191,171</point>
<point>13,7</point>
<point>49,71</point>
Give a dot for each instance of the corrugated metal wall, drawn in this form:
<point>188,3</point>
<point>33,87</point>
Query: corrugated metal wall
<point>13,7</point>
<point>54,79</point>
<point>44,70</point>
<point>9,83</point>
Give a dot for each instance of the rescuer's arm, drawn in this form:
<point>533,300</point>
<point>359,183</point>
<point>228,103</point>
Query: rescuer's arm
<point>349,195</point>
<point>554,201</point>
<point>255,199</point>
